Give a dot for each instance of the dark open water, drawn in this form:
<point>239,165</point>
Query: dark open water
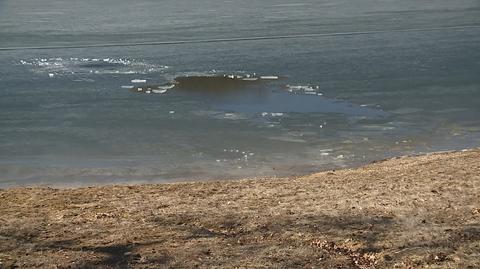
<point>393,77</point>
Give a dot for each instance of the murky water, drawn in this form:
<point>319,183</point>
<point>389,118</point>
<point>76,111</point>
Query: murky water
<point>358,93</point>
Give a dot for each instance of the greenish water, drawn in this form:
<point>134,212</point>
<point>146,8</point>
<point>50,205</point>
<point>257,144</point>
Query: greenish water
<point>65,118</point>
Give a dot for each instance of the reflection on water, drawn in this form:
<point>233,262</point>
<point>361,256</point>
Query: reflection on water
<point>254,94</point>
<point>217,85</point>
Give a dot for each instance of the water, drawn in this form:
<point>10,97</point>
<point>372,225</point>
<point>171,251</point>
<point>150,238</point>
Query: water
<point>65,118</point>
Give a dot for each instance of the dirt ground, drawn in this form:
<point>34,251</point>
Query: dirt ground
<point>408,212</point>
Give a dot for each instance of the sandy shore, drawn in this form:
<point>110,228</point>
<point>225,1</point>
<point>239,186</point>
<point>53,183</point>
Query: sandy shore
<point>405,212</point>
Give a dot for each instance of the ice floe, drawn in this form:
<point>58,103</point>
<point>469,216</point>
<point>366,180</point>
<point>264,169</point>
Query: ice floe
<point>272,114</point>
<point>159,91</point>
<point>300,89</point>
<point>167,86</point>
<point>139,81</point>
<point>98,66</point>
<point>269,77</point>
<point>156,89</point>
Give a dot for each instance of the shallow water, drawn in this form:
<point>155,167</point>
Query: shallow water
<point>65,118</point>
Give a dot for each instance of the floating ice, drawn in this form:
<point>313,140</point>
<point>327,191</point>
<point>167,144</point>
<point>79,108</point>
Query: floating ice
<point>155,89</point>
<point>138,80</point>
<point>294,88</point>
<point>127,87</point>
<point>309,90</point>
<point>269,77</point>
<point>159,91</point>
<point>51,75</point>
<point>167,87</point>
<point>76,65</point>
<point>277,114</point>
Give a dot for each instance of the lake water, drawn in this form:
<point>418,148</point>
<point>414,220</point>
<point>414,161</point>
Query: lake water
<point>358,81</point>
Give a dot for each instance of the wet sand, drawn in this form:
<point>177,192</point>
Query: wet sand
<point>408,212</point>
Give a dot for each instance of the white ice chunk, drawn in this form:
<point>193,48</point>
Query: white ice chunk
<point>269,77</point>
<point>295,88</point>
<point>139,80</point>
<point>159,91</point>
<point>167,87</point>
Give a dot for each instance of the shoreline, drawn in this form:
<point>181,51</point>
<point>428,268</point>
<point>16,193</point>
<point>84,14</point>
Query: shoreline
<point>218,178</point>
<point>404,212</point>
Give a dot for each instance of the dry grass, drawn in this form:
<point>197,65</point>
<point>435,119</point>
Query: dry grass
<point>406,212</point>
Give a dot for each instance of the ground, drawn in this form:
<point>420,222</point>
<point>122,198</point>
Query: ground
<point>408,212</point>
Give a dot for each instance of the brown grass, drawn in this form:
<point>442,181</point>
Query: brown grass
<point>409,212</point>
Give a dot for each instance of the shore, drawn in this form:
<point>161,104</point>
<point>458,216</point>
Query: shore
<point>406,212</point>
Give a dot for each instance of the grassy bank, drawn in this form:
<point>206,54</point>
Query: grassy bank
<point>405,212</point>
